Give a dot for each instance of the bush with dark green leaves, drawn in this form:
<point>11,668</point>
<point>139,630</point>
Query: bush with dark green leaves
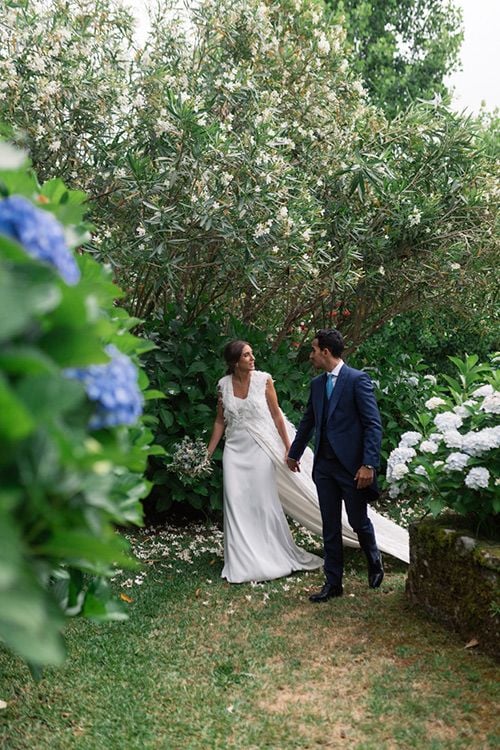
<point>73,444</point>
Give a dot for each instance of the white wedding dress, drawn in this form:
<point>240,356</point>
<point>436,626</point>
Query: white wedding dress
<point>258,486</point>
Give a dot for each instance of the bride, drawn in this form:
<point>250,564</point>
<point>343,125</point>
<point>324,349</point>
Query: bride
<point>259,487</point>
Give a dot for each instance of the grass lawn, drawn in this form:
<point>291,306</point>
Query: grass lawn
<point>204,665</point>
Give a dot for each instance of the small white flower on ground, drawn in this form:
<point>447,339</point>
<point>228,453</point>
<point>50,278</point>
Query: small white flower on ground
<point>140,231</point>
<point>414,218</point>
<point>456,461</point>
<point>428,446</point>
<point>434,402</point>
<point>477,478</point>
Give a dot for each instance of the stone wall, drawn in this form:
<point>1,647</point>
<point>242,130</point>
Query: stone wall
<point>455,577</point>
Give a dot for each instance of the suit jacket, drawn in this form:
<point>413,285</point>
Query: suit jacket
<point>353,426</point>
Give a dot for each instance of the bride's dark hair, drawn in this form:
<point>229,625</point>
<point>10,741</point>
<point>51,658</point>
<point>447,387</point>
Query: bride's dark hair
<point>232,353</point>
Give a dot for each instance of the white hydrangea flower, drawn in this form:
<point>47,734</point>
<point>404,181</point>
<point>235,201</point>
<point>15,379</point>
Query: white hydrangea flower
<point>437,464</point>
<point>403,454</point>
<point>453,439</point>
<point>421,471</point>
<point>481,441</point>
<point>462,409</point>
<point>434,402</point>
<point>483,391</point>
<point>428,446</point>
<point>491,403</point>
<point>394,491</point>
<point>456,461</point>
<point>447,421</point>
<point>436,437</point>
<point>409,439</point>
<point>477,478</point>
<point>399,471</point>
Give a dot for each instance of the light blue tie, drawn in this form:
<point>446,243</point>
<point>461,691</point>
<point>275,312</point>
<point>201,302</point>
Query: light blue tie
<point>330,384</point>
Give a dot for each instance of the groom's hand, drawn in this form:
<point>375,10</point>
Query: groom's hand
<point>292,464</point>
<point>364,477</point>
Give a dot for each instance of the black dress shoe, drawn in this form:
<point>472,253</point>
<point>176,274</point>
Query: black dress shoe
<point>327,592</point>
<point>376,575</point>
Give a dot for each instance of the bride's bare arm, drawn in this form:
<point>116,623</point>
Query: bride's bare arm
<point>218,428</point>
<point>274,408</point>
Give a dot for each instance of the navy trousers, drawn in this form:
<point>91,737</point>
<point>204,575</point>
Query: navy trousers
<point>334,484</point>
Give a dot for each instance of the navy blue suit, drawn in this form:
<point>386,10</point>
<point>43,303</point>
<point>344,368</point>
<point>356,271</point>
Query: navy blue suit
<point>348,433</point>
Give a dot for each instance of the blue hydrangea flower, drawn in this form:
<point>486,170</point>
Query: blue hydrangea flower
<point>39,233</point>
<point>114,388</point>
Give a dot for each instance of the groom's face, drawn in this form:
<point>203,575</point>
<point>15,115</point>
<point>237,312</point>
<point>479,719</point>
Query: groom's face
<point>319,357</point>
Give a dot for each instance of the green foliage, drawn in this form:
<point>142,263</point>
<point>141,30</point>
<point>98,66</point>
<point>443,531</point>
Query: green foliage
<point>402,49</point>
<point>402,385</point>
<point>452,457</point>
<point>236,166</point>
<point>185,367</point>
<point>435,336</point>
<point>63,487</point>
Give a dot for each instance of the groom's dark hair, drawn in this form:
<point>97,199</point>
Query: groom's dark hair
<point>332,340</point>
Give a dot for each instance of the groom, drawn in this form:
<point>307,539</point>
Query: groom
<point>343,414</point>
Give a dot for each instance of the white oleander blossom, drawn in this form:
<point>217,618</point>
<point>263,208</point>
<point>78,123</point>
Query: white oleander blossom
<point>478,478</point>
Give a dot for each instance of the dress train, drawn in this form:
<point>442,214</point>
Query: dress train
<point>299,498</point>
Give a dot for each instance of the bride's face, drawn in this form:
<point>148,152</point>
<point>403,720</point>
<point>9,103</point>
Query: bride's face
<point>246,362</point>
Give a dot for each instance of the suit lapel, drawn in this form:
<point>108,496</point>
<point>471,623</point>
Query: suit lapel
<point>337,391</point>
<point>320,396</point>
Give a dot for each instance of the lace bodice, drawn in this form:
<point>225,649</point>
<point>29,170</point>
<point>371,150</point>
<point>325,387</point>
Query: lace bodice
<point>252,411</point>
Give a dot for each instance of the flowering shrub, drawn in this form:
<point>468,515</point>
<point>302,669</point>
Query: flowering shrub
<point>69,472</point>
<point>190,459</point>
<point>452,458</point>
<point>115,389</point>
<point>236,164</point>
<point>39,233</point>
